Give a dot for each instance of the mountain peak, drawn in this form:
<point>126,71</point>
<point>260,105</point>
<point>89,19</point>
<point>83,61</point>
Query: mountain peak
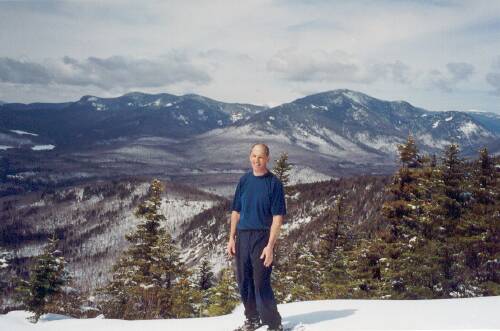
<point>88,98</point>
<point>135,95</point>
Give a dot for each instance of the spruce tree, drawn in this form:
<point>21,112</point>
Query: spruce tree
<point>402,259</point>
<point>334,242</point>
<point>205,275</point>
<point>306,275</point>
<point>144,278</point>
<point>477,233</point>
<point>5,277</point>
<point>282,170</point>
<point>223,297</point>
<point>46,282</point>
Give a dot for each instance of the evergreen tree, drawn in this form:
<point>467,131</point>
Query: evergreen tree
<point>306,276</point>
<point>5,277</point>
<point>334,242</point>
<point>145,277</point>
<point>401,261</point>
<point>46,282</point>
<point>476,239</point>
<point>223,297</point>
<point>205,275</point>
<point>282,170</point>
<point>408,153</point>
<point>453,177</point>
<point>186,298</point>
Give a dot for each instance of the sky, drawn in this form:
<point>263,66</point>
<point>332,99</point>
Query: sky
<point>435,54</point>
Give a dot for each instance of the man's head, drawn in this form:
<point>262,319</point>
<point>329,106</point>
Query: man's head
<point>259,156</point>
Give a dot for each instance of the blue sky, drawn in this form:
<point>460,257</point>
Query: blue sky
<point>439,55</point>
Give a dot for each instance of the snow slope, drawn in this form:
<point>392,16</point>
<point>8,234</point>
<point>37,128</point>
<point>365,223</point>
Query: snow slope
<point>444,314</point>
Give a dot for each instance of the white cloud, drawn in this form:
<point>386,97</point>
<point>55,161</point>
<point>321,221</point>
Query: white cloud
<point>257,51</point>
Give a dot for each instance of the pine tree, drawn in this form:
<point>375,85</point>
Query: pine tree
<point>476,238</point>
<point>306,276</point>
<point>5,277</point>
<point>452,176</point>
<point>205,275</point>
<point>47,279</point>
<point>145,277</point>
<point>282,170</point>
<point>401,261</point>
<point>186,298</point>
<point>408,153</point>
<point>334,242</point>
<point>223,297</point>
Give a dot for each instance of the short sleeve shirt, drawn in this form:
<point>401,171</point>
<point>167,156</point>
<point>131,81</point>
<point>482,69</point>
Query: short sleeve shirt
<point>258,199</point>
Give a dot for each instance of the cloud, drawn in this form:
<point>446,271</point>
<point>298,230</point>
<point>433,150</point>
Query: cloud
<point>493,78</point>
<point>335,66</point>
<point>22,72</point>
<point>456,72</point>
<point>106,73</point>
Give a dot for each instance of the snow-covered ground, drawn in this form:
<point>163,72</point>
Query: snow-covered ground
<point>444,314</point>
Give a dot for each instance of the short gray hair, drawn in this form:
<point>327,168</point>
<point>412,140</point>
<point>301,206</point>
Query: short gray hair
<point>266,148</point>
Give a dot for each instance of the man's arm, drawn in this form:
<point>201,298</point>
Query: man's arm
<point>267,253</point>
<point>231,245</point>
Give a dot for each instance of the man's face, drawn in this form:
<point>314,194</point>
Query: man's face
<point>259,159</point>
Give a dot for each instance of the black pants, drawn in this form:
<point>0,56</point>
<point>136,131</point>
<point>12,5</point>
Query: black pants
<point>254,279</point>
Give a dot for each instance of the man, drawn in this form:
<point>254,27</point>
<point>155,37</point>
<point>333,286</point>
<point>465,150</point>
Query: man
<point>257,214</point>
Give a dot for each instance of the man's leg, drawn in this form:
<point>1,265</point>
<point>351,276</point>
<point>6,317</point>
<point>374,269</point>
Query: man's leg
<point>244,275</point>
<point>264,296</point>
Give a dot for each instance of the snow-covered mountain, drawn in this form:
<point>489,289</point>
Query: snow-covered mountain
<point>443,314</point>
<point>345,121</point>
<point>334,133</point>
<point>93,121</point>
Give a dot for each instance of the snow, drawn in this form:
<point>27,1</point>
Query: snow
<point>21,132</point>
<point>468,128</point>
<point>327,315</point>
<point>304,174</point>
<point>99,106</point>
<point>43,147</point>
<point>5,147</point>
<point>319,107</point>
<point>384,143</point>
<point>356,97</point>
<point>448,118</point>
<point>435,125</point>
<point>430,141</point>
<point>236,117</point>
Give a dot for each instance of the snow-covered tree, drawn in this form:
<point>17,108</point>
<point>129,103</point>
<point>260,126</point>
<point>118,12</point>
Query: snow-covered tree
<point>146,278</point>
<point>223,297</point>
<point>46,281</point>
<point>306,276</point>
<point>205,275</point>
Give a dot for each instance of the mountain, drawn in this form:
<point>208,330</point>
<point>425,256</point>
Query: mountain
<point>340,120</point>
<point>205,142</point>
<point>490,121</point>
<point>343,132</point>
<point>92,120</point>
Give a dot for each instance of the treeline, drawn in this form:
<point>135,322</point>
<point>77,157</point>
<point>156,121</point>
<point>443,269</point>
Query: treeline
<point>430,231</point>
<point>148,281</point>
<point>437,237</point>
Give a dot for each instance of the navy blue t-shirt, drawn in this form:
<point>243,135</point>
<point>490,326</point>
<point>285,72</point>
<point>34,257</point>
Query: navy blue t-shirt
<point>258,199</point>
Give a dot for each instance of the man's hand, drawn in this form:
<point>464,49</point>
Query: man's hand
<point>231,247</point>
<point>267,255</point>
